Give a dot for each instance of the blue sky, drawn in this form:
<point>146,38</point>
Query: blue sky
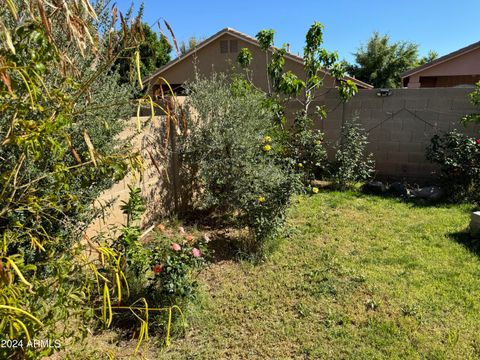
<point>440,25</point>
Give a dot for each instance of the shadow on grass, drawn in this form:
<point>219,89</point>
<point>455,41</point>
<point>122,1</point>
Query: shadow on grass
<point>464,238</point>
<point>225,245</point>
<point>357,190</point>
<point>228,243</point>
<point>443,202</point>
<point>423,203</point>
<point>414,202</point>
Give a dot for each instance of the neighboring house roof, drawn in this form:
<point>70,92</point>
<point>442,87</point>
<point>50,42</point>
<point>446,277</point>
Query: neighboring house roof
<point>244,37</point>
<point>442,59</point>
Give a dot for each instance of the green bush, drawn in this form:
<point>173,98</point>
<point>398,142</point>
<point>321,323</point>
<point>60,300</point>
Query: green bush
<point>43,281</point>
<point>100,110</point>
<point>352,163</point>
<point>233,146</point>
<point>301,145</point>
<point>56,154</point>
<point>459,158</point>
<point>474,98</point>
<point>307,150</point>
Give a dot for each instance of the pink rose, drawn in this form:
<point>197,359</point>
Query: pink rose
<point>176,247</point>
<point>196,252</point>
<point>478,141</point>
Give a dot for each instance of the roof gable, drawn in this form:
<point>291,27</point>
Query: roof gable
<point>238,35</point>
<point>441,59</point>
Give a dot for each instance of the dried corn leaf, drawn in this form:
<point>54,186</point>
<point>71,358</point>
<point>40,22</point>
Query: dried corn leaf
<point>89,9</point>
<point>163,34</point>
<point>137,66</point>
<point>74,153</point>
<point>8,37</point>
<point>12,8</point>
<point>45,20</point>
<point>173,36</point>
<point>90,147</point>
<point>6,80</point>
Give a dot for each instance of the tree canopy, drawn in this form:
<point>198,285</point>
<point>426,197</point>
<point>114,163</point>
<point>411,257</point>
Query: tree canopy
<point>380,62</point>
<point>193,41</point>
<point>432,55</point>
<point>154,52</point>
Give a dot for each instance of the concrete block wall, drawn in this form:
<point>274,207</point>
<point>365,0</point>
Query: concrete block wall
<point>399,129</point>
<point>399,126</point>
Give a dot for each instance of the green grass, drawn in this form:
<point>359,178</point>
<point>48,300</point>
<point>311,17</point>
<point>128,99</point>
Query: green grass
<point>358,278</point>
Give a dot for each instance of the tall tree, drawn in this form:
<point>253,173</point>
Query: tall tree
<point>192,43</point>
<point>432,55</point>
<point>154,52</point>
<point>381,62</point>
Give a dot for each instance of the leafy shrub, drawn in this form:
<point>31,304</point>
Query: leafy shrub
<point>101,109</point>
<point>474,98</point>
<point>459,158</point>
<point>50,169</point>
<point>352,163</point>
<point>128,243</point>
<point>307,149</point>
<point>232,145</point>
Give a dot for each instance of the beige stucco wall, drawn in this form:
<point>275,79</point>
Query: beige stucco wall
<point>157,182</point>
<point>208,60</point>
<point>465,64</point>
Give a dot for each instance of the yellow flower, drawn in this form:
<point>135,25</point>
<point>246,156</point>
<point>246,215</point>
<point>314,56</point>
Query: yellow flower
<point>261,199</point>
<point>315,190</point>
<point>267,148</point>
<point>300,165</point>
<point>267,139</point>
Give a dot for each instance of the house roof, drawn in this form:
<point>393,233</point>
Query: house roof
<point>241,36</point>
<point>442,59</point>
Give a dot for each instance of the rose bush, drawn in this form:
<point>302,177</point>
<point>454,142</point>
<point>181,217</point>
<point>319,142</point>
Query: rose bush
<point>174,257</point>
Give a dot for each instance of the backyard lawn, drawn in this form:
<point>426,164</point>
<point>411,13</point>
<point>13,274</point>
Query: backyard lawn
<point>358,277</point>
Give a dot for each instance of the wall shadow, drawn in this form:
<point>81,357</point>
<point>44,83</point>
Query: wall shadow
<point>464,238</point>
